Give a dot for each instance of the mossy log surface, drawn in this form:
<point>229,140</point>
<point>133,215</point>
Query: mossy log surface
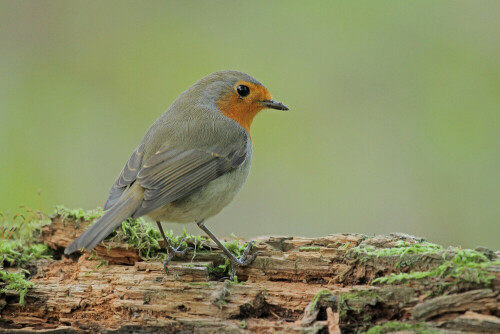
<point>340,283</point>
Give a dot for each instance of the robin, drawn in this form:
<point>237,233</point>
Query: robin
<point>190,164</point>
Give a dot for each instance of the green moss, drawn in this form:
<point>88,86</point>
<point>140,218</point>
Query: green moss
<point>361,294</point>
<point>323,294</point>
<point>406,253</point>
<point>139,234</point>
<point>19,245</point>
<point>394,326</point>
<point>345,246</point>
<point>77,214</point>
<point>243,324</point>
<point>343,308</point>
<point>309,248</point>
<point>200,283</point>
<point>460,265</point>
<point>237,248</point>
<point>401,249</point>
<point>15,253</point>
<point>17,282</point>
<point>355,300</point>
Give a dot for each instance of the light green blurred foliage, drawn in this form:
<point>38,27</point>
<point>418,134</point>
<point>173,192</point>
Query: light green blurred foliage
<point>395,120</point>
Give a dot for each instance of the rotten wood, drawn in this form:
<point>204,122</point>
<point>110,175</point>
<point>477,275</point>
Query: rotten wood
<point>297,285</point>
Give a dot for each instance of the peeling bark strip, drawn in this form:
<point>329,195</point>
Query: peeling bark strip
<point>298,285</point>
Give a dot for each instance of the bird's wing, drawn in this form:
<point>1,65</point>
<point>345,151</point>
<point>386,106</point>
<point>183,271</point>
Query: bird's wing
<point>171,174</point>
<point>126,177</point>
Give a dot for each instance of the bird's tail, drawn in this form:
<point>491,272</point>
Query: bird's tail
<point>122,210</point>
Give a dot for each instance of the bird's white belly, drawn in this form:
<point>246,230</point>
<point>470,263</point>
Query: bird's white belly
<point>206,202</point>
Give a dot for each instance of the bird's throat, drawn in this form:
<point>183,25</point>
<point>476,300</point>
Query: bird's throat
<point>241,112</point>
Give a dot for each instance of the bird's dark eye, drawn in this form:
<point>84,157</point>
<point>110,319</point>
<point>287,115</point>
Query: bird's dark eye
<point>243,90</point>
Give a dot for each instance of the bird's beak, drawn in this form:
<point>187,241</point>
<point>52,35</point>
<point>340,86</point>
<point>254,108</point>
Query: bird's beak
<point>274,105</point>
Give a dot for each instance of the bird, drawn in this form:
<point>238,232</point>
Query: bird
<point>190,164</point>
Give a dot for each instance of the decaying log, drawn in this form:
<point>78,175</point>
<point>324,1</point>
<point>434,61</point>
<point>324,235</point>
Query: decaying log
<point>297,285</point>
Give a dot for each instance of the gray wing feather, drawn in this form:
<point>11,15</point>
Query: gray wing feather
<point>172,174</point>
<point>126,177</point>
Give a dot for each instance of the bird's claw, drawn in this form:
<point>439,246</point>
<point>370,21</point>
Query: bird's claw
<point>173,252</point>
<point>242,261</point>
<point>176,251</point>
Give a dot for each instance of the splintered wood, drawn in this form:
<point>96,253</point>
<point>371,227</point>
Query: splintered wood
<point>297,285</point>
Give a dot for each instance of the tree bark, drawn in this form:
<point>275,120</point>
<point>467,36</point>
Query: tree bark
<point>297,285</point>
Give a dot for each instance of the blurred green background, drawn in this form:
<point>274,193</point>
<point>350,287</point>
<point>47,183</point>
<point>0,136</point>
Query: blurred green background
<point>394,127</point>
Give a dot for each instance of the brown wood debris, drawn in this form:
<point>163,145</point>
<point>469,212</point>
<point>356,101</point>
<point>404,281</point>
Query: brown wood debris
<point>297,285</point>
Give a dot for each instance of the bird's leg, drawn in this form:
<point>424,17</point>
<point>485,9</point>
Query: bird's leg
<point>171,251</point>
<point>235,262</point>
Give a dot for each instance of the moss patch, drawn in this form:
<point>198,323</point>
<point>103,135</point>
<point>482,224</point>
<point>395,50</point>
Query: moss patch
<point>319,298</point>
<point>18,246</point>
<point>402,250</point>
<point>450,266</point>
<point>309,249</point>
<point>77,214</point>
<point>139,234</point>
<point>394,326</point>
<point>17,282</point>
<point>200,283</point>
<point>237,248</point>
<point>460,265</point>
<point>355,301</point>
<point>14,254</point>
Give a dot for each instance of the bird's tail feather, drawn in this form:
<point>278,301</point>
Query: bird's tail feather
<point>122,210</point>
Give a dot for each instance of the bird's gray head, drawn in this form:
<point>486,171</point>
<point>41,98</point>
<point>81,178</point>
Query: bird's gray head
<point>217,85</point>
<point>237,95</point>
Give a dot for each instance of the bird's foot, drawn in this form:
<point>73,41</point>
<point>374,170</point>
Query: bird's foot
<point>235,262</point>
<point>172,251</point>
<point>243,260</point>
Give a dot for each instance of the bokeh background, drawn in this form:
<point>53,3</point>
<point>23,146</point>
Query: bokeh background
<point>394,127</point>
